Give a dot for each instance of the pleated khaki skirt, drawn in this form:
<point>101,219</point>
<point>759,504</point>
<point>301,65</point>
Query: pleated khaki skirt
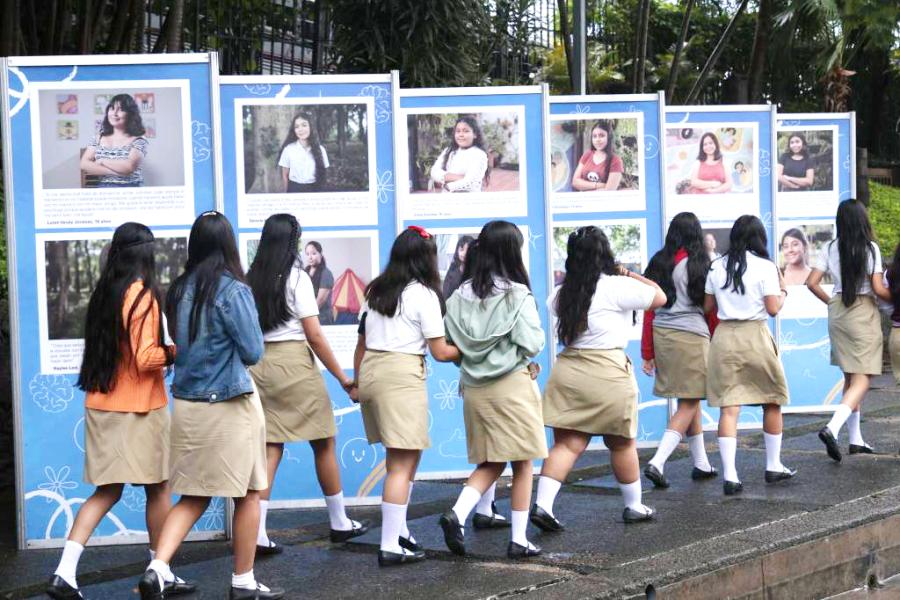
<point>125,447</point>
<point>680,363</point>
<point>504,420</point>
<point>592,391</point>
<point>218,448</point>
<point>293,395</point>
<point>857,343</point>
<point>744,368</point>
<point>393,400</point>
<point>894,349</point>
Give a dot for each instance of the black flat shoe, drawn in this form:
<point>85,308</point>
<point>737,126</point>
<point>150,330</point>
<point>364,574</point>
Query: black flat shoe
<point>392,559</point>
<point>776,476</point>
<point>338,536</point>
<point>733,487</point>
<point>658,479</point>
<point>543,520</point>
<point>269,550</point>
<point>831,445</point>
<point>408,544</point>
<point>149,586</point>
<point>861,449</point>
<point>257,594</point>
<point>177,588</point>
<point>698,474</point>
<point>629,515</point>
<point>453,533</point>
<point>481,521</point>
<point>59,589</point>
<point>515,550</point>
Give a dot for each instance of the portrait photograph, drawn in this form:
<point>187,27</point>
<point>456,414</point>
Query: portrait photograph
<point>708,160</point>
<point>798,246</point>
<point>715,240</point>
<point>452,248</point>
<point>806,160</point>
<point>626,239</point>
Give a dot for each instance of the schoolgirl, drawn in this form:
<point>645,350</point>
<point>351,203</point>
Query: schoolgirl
<point>463,165</point>
<point>592,390</point>
<point>493,319</point>
<point>218,441</point>
<point>892,282</point>
<point>744,287</point>
<point>401,317</point>
<point>126,419</point>
<point>675,343</point>
<point>303,160</point>
<point>854,326</point>
<point>290,385</point>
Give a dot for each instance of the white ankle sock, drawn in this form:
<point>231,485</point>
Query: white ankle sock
<point>487,498</point>
<point>163,570</point>
<point>547,490</point>
<point>631,495</point>
<point>519,524</point>
<point>773,451</point>
<point>244,581</point>
<point>393,516</point>
<point>727,451</point>
<point>841,414</point>
<point>262,537</point>
<point>698,452</point>
<point>856,437</point>
<point>467,500</point>
<point>68,562</point>
<point>668,443</point>
<point>337,514</point>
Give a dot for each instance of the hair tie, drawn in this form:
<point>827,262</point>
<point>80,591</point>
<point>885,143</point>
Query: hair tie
<point>421,231</point>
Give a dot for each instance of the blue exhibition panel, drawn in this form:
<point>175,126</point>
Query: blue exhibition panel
<point>59,221</point>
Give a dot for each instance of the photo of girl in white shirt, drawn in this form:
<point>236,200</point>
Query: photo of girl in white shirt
<point>463,165</point>
<point>303,161</point>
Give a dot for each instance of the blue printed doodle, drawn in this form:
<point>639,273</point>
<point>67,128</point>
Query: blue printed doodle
<point>51,392</point>
<point>533,238</point>
<point>57,481</point>
<point>384,187</point>
<point>258,89</point>
<point>448,395</point>
<point>382,102</point>
<point>581,109</point>
<point>134,499</point>
<point>455,446</point>
<point>765,162</point>
<point>358,451</point>
<point>201,134</point>
<point>21,94</point>
<point>651,146</point>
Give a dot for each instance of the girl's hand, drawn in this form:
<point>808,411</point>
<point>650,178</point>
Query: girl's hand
<point>353,392</point>
<point>622,270</point>
<point>348,384</point>
<point>649,366</point>
<point>534,370</point>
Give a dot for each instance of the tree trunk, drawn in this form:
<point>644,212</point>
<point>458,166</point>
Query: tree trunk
<point>760,52</point>
<point>118,30</point>
<point>714,57</point>
<point>563,6</point>
<point>878,61</point>
<point>174,41</point>
<point>8,31</point>
<point>636,57</point>
<point>676,56</point>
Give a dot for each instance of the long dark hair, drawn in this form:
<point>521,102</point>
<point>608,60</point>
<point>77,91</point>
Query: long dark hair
<point>748,234</point>
<point>413,259</point>
<point>804,152</point>
<point>477,141</point>
<point>701,155</point>
<point>212,252</point>
<point>455,264</point>
<point>496,253</point>
<point>314,146</point>
<point>610,149</point>
<point>798,235</point>
<point>588,255</point>
<point>317,276</point>
<point>106,333</point>
<point>893,272</point>
<point>271,268</point>
<point>685,232</point>
<point>854,240</point>
<point>133,124</point>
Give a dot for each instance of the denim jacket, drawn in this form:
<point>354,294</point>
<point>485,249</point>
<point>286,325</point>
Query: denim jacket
<point>213,367</point>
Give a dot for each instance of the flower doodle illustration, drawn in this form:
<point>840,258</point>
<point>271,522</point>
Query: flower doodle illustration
<point>51,392</point>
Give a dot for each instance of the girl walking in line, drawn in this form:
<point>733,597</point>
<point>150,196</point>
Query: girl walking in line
<point>493,319</point>
<point>218,428</point>
<point>401,317</point>
<point>854,262</point>
<point>745,288</point>
<point>675,343</point>
<point>126,418</point>
<point>291,387</point>
<point>303,160</point>
<point>592,390</point>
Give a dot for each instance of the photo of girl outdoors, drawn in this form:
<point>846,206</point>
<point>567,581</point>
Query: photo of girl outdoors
<point>799,247</point>
<point>595,155</point>
<point>716,160</point>
<point>452,249</point>
<point>624,240</point>
<point>805,161</point>
<point>305,148</point>
<point>464,153</point>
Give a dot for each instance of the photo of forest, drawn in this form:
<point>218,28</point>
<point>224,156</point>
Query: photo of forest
<point>72,268</point>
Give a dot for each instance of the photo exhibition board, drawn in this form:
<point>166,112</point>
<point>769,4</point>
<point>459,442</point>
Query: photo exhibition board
<point>61,211</point>
<point>824,144</point>
<point>348,218</point>
<point>623,132</point>
<point>493,137</point>
<point>718,163</point>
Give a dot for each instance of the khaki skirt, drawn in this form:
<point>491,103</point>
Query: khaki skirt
<point>592,391</point>
<point>504,420</point>
<point>894,348</point>
<point>857,343</point>
<point>218,448</point>
<point>393,400</point>
<point>744,368</point>
<point>125,447</point>
<point>680,363</point>
<point>293,395</point>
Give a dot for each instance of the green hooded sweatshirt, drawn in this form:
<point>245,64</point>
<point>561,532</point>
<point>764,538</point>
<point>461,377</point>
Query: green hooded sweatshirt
<point>496,335</point>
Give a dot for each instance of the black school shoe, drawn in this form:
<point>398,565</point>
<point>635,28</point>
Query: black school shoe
<point>408,544</point>
<point>543,520</point>
<point>776,476</point>
<point>698,474</point>
<point>270,550</point>
<point>515,550</point>
<point>59,589</point>
<point>733,487</point>
<point>658,479</point>
<point>629,515</point>
<point>494,521</point>
<point>862,449</point>
<point>831,445</point>
<point>338,536</point>
<point>393,559</point>
<point>149,586</point>
<point>257,594</point>
<point>453,533</point>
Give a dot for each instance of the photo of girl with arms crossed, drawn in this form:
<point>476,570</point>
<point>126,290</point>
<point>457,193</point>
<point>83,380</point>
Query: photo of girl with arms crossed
<point>795,167</point>
<point>120,148</point>
<point>303,160</point>
<point>708,175</point>
<point>463,165</point>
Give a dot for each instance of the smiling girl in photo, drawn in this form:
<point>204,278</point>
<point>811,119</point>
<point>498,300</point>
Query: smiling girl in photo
<point>463,166</point>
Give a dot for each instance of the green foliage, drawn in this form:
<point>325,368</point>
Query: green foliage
<point>884,211</point>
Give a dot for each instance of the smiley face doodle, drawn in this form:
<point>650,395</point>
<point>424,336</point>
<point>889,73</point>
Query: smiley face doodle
<point>357,452</point>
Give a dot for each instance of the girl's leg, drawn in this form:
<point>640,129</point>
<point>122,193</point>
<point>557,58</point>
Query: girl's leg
<point>568,445</point>
<point>401,468</point>
<point>274,452</point>
<point>453,521</point>
<point>623,458</point>
<point>329,476</point>
<point>678,424</point>
<point>772,432</point>
<point>159,503</point>
<point>697,446</point>
<point>728,416</point>
<point>176,526</point>
<point>404,531</point>
<point>244,526</point>
<point>855,387</point>
<point>520,500</point>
